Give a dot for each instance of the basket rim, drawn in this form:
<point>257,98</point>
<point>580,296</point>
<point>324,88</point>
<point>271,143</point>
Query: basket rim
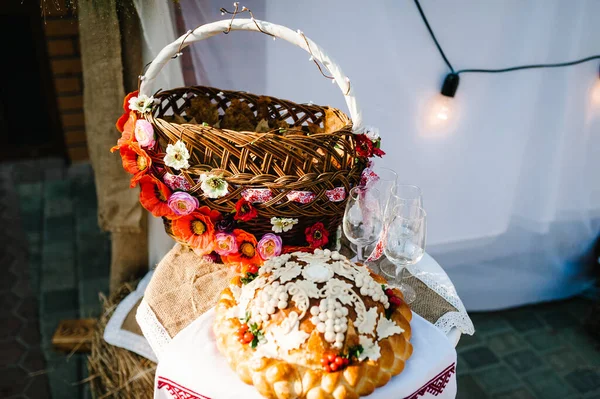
<point>348,123</point>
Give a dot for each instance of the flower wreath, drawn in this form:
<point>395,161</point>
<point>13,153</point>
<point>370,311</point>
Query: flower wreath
<point>210,233</point>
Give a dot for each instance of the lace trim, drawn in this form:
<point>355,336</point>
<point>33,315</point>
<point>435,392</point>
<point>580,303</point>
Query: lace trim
<point>115,335</point>
<point>446,322</point>
<point>153,330</point>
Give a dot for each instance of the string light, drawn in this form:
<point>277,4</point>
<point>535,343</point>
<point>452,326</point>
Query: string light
<point>595,92</point>
<point>442,107</point>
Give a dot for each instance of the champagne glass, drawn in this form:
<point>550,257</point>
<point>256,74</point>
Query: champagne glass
<point>363,218</point>
<point>404,194</point>
<point>385,182</point>
<point>405,237</point>
<point>401,194</point>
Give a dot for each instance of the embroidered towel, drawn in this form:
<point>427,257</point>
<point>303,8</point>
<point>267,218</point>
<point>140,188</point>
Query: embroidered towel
<point>191,367</point>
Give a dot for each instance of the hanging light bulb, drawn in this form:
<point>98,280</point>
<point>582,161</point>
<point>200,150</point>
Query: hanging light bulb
<point>595,92</point>
<point>441,109</point>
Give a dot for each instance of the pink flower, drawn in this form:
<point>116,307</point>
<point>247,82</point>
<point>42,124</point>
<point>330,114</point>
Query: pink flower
<point>182,203</point>
<point>269,246</point>
<point>225,244</point>
<point>144,133</point>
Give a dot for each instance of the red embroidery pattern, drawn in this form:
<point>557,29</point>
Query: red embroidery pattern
<point>337,194</point>
<point>437,384</point>
<point>176,182</point>
<point>259,195</point>
<point>177,391</point>
<point>302,197</point>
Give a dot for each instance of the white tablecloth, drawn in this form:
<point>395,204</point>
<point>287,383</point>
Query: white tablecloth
<point>191,367</point>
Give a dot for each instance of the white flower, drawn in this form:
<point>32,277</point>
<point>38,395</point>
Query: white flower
<point>141,104</point>
<point>282,224</point>
<point>177,156</point>
<point>372,133</point>
<point>213,186</point>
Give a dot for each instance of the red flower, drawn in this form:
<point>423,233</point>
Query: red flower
<point>197,230</point>
<point>247,254</point>
<point>378,152</point>
<point>128,135</point>
<point>364,146</point>
<point>135,161</point>
<point>317,235</point>
<point>245,211</point>
<point>123,119</point>
<point>154,196</point>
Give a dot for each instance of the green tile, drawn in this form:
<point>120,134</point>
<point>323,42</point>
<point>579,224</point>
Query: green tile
<point>558,320</point>
<point>548,385</point>
<point>504,343</point>
<point>523,320</point>
<point>520,393</point>
<point>489,323</point>
<point>479,356</point>
<point>59,301</point>
<point>591,356</point>
<point>467,340</point>
<point>564,360</point>
<point>497,379</point>
<point>468,388</point>
<point>578,307</point>
<point>523,361</point>
<point>585,381</point>
<point>578,338</point>
<point>544,340</point>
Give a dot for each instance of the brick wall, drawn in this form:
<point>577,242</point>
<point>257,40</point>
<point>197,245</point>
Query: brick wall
<point>62,37</point>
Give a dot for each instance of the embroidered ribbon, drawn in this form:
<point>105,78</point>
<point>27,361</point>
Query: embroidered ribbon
<point>302,197</point>
<point>257,195</point>
<point>262,195</point>
<point>337,194</point>
<point>368,177</point>
<point>176,182</point>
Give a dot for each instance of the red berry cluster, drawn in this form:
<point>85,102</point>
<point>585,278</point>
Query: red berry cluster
<point>394,300</point>
<point>332,362</point>
<point>244,335</point>
<point>252,269</point>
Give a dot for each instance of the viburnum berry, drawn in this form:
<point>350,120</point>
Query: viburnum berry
<point>332,362</point>
<point>244,336</point>
<point>252,269</point>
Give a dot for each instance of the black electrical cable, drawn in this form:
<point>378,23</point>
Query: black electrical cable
<point>501,70</point>
<point>433,35</point>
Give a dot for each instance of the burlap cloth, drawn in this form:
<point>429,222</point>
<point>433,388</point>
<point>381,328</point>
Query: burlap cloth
<point>184,287</point>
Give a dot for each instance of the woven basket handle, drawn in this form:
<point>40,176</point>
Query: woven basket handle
<point>297,38</point>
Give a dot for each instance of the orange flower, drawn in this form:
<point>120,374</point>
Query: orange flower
<point>214,216</point>
<point>135,161</point>
<point>128,135</point>
<point>197,230</point>
<point>247,254</point>
<point>123,118</point>
<point>154,196</point>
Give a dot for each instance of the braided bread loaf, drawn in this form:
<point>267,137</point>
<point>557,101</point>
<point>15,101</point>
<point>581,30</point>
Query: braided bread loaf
<point>313,326</point>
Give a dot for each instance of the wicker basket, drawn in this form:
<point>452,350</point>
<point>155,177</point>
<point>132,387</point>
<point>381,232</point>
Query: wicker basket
<point>288,160</point>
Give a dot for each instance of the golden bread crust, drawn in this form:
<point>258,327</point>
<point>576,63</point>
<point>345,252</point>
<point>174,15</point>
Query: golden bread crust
<point>301,375</point>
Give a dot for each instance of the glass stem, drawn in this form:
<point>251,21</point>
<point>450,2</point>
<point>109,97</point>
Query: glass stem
<point>400,275</point>
<point>359,253</point>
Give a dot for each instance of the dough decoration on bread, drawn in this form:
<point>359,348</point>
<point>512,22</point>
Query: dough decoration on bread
<point>317,312</point>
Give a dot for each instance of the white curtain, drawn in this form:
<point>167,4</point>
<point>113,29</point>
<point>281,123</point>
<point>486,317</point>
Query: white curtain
<point>158,30</point>
<point>510,186</point>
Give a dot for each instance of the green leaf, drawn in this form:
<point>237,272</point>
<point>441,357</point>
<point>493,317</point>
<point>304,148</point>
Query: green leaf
<point>249,277</point>
<point>254,343</point>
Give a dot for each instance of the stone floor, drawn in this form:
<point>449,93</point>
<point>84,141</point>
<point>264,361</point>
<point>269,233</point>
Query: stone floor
<point>66,263</point>
<point>57,260</point>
